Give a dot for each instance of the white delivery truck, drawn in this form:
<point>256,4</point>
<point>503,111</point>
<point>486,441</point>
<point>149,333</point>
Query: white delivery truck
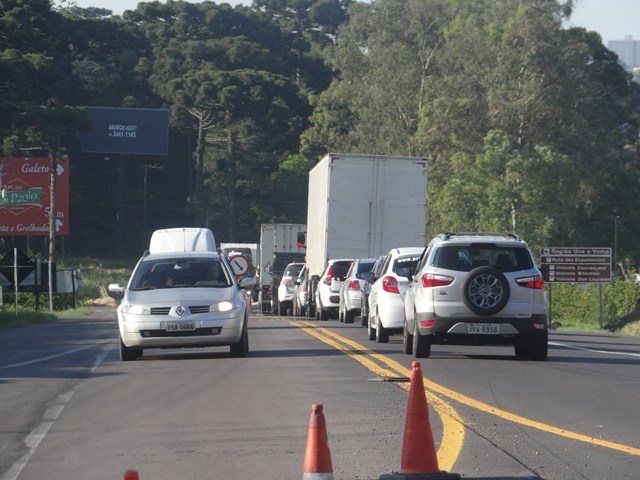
<point>279,246</point>
<point>362,206</point>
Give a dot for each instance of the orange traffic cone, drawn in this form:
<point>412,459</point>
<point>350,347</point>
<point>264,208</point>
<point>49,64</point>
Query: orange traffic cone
<point>131,475</point>
<point>317,458</point>
<point>419,460</point>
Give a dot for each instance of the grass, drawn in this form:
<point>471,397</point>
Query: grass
<point>11,319</point>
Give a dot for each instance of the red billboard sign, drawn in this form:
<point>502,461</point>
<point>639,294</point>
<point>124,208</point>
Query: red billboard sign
<point>25,201</point>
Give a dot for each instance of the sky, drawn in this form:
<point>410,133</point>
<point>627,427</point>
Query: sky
<point>612,19</point>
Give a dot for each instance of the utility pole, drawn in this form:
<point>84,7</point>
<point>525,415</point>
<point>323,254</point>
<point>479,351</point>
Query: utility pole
<point>144,193</point>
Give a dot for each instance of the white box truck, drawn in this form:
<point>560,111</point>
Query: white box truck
<point>278,247</point>
<point>362,206</point>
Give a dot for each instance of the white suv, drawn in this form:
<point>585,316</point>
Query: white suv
<point>476,289</point>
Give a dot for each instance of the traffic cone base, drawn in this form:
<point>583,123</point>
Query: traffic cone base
<point>317,458</point>
<point>419,476</point>
<point>419,460</point>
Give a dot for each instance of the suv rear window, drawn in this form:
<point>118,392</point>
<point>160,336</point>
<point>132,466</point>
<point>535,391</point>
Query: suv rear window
<point>466,258</point>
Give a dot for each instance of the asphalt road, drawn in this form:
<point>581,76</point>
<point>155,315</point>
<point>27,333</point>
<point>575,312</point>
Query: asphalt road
<point>71,409</point>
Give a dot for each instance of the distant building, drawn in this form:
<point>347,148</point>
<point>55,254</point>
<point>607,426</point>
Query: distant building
<point>628,50</point>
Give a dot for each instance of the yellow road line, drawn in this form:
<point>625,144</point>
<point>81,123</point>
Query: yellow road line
<point>445,410</point>
<point>452,425</point>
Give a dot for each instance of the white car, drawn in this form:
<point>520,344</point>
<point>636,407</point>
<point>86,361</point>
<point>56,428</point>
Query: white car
<point>386,307</point>
<point>351,291</point>
<point>286,289</point>
<point>174,300</point>
<point>327,295</point>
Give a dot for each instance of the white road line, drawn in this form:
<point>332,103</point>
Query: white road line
<point>51,413</point>
<point>57,355</point>
<point>606,352</point>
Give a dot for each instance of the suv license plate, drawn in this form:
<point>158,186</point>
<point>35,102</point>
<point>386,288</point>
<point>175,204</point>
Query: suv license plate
<point>484,328</point>
<point>184,326</point>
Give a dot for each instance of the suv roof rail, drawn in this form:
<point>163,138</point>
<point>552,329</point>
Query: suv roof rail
<point>448,235</point>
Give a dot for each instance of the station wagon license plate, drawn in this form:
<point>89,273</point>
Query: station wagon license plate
<point>180,326</point>
<point>484,328</point>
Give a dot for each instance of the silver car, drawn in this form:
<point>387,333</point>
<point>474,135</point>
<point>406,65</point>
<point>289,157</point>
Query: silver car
<point>182,299</point>
<point>476,289</point>
<point>351,290</point>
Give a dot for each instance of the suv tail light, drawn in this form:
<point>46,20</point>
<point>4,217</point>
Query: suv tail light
<point>390,284</point>
<point>430,280</point>
<point>354,285</point>
<point>535,281</point>
<point>287,281</point>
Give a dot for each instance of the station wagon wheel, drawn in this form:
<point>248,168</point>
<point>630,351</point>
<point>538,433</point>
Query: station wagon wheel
<point>127,354</point>
<point>241,347</point>
<point>485,291</point>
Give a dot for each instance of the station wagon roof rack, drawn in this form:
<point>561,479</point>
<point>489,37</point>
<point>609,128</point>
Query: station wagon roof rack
<point>448,235</point>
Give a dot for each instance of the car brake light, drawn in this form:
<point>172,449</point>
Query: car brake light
<point>354,285</point>
<point>287,281</point>
<point>535,281</point>
<point>427,323</point>
<point>327,278</point>
<point>390,284</point>
<point>430,280</point>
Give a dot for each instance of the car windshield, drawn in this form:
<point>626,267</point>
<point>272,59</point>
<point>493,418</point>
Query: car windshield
<point>364,267</point>
<point>293,270</point>
<point>181,273</point>
<point>466,258</point>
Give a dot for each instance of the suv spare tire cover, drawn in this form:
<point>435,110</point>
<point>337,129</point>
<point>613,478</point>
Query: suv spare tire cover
<point>485,291</point>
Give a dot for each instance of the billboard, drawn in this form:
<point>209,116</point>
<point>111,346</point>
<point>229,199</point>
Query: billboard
<point>138,131</point>
<point>25,201</point>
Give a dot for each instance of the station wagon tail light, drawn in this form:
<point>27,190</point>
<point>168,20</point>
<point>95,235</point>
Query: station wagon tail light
<point>430,280</point>
<point>535,281</point>
<point>390,284</point>
<point>354,285</point>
